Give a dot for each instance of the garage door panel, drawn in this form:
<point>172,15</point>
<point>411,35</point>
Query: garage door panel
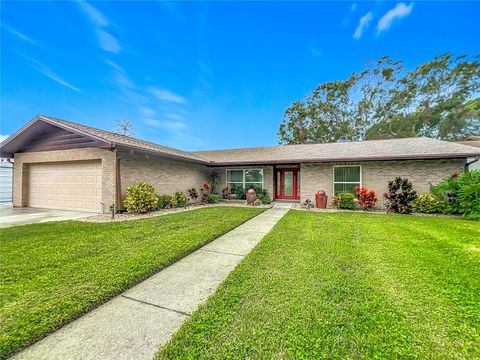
<point>75,185</point>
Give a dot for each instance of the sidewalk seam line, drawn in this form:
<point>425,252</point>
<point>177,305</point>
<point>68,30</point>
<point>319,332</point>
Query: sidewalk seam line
<point>221,252</point>
<point>157,306</point>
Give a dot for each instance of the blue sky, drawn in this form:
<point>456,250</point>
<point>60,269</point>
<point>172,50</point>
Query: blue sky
<point>205,75</point>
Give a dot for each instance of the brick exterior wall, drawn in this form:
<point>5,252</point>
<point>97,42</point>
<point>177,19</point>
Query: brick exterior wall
<point>376,174</point>
<point>22,161</point>
<point>167,176</point>
<point>267,176</point>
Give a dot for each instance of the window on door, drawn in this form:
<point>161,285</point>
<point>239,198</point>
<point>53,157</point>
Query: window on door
<point>345,178</point>
<point>287,184</point>
<point>244,178</point>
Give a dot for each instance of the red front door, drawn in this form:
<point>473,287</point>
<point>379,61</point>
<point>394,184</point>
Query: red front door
<point>287,184</point>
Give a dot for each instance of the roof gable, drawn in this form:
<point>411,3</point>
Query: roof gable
<point>40,125</point>
<point>40,134</point>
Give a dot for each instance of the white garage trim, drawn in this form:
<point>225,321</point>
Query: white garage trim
<point>66,185</point>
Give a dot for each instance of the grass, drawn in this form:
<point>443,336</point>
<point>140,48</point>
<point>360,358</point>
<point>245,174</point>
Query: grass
<point>343,286</point>
<point>52,273</point>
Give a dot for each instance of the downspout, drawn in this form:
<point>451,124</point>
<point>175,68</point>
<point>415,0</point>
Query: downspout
<point>467,164</point>
<point>118,190</point>
<point>118,185</point>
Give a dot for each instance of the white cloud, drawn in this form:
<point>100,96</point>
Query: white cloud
<point>120,77</point>
<point>48,73</point>
<point>115,66</point>
<point>167,124</point>
<point>167,95</point>
<point>95,16</point>
<point>123,81</point>
<point>346,20</point>
<point>362,25</point>
<point>146,110</point>
<point>174,116</point>
<point>3,138</point>
<point>43,69</point>
<point>108,42</point>
<point>21,36</point>
<point>398,12</point>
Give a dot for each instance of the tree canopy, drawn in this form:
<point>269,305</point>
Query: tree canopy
<point>439,99</point>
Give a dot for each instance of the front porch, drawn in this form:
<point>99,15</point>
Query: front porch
<point>281,181</point>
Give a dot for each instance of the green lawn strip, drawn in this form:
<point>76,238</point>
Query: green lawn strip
<point>52,273</point>
<point>346,286</point>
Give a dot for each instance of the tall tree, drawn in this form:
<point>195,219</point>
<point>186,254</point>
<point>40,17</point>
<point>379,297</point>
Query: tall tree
<point>439,98</point>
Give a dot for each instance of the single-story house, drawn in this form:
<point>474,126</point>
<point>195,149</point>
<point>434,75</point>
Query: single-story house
<point>65,165</point>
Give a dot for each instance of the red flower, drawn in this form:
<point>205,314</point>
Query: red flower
<point>366,198</point>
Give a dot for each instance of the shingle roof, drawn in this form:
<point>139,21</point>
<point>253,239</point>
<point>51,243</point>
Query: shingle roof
<point>475,143</point>
<point>128,141</point>
<point>407,148</point>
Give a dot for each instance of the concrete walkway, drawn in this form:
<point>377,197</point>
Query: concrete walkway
<point>10,216</point>
<point>137,323</point>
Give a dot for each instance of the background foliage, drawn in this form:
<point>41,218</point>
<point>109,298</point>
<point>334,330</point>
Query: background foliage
<point>438,99</point>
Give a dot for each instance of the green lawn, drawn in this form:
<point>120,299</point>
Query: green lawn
<point>53,272</point>
<point>346,285</point>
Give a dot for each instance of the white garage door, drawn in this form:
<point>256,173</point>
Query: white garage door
<point>70,185</point>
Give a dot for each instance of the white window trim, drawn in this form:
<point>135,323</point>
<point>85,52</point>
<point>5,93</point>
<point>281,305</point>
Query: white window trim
<point>345,182</point>
<point>243,182</point>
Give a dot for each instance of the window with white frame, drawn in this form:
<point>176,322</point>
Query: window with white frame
<point>244,178</point>
<point>345,178</point>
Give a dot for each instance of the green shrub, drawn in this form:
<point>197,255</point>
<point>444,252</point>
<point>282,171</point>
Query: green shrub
<point>227,193</point>
<point>213,198</point>
<point>258,190</point>
<point>399,196</point>
<point>166,201</point>
<point>160,202</point>
<point>428,204</point>
<point>239,193</point>
<point>140,198</point>
<point>192,194</point>
<point>447,190</point>
<point>262,194</point>
<point>181,199</point>
<point>265,199</point>
<point>205,190</point>
<point>469,201</point>
<point>462,194</point>
<point>344,201</point>
<point>213,180</point>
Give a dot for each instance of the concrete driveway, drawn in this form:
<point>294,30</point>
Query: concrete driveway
<point>10,216</point>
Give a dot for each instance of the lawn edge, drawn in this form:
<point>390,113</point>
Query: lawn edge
<point>114,295</point>
<point>246,256</point>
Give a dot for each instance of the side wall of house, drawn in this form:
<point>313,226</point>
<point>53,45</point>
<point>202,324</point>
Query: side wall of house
<point>23,160</point>
<point>267,176</point>
<point>376,174</point>
<point>167,176</point>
